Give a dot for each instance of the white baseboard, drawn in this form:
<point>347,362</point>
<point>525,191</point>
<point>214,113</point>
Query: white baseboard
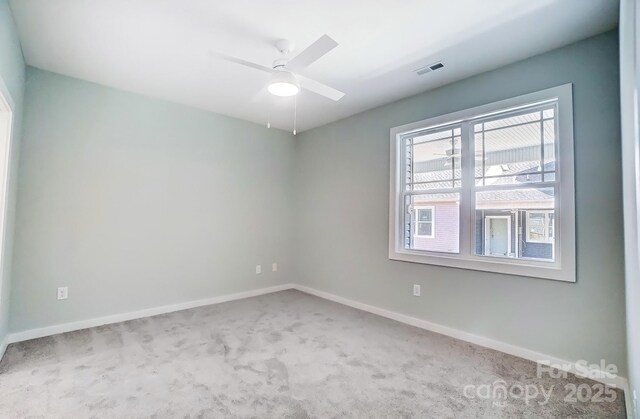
<point>619,382</point>
<point>116,318</point>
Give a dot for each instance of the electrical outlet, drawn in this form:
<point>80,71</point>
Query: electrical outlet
<point>258,269</point>
<point>416,290</point>
<point>63,293</point>
<point>274,267</point>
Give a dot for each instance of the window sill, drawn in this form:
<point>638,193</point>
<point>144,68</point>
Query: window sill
<point>528,268</point>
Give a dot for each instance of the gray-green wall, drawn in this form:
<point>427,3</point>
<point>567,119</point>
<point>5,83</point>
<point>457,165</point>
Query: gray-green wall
<point>342,200</point>
<point>136,203</point>
<point>12,73</point>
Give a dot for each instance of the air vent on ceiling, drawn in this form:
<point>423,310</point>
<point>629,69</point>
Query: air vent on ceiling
<point>429,68</point>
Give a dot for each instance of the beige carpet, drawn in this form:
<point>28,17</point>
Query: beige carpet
<point>286,354</point>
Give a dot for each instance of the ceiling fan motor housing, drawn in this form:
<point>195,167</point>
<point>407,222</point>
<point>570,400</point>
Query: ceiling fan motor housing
<point>284,46</point>
<point>280,63</point>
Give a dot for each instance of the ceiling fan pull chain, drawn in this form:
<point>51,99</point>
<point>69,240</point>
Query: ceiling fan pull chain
<point>295,113</point>
<point>268,114</point>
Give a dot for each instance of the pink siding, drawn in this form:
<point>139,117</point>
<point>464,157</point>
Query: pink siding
<point>447,218</point>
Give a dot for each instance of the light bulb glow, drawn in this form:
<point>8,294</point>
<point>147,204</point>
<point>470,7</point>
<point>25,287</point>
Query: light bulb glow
<point>283,89</point>
<point>283,83</point>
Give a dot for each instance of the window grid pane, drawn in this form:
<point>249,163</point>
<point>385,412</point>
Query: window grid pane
<point>434,220</point>
<point>433,159</point>
<point>433,166</point>
<point>515,223</point>
<point>516,149</point>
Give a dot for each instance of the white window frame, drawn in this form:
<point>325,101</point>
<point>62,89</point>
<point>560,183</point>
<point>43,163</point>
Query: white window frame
<point>563,268</point>
<point>417,208</point>
<point>7,106</point>
<point>547,239</point>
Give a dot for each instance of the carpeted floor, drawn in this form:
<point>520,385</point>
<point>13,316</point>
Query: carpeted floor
<point>282,355</point>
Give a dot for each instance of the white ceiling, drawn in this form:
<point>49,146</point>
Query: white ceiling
<point>162,48</point>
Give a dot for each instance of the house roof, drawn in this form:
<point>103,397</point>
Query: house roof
<point>515,174</point>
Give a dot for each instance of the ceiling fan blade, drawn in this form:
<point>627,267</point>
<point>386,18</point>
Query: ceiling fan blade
<point>240,61</point>
<point>313,52</point>
<point>319,88</point>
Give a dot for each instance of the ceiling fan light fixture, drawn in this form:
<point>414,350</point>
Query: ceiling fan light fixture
<point>283,83</point>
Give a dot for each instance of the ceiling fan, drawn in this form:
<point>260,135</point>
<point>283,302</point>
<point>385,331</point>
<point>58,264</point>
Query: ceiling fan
<point>285,79</point>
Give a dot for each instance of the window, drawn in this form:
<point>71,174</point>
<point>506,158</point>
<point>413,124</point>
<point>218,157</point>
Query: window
<point>499,179</point>
<point>424,222</point>
<point>540,226</point>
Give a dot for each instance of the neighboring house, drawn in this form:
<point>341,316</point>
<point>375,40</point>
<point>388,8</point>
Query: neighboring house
<point>436,226</point>
<point>514,223</point>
